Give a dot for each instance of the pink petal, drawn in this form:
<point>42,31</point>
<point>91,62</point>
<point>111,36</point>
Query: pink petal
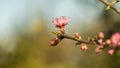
<point>67,20</point>
<point>61,21</point>
<point>54,22</point>
<point>118,44</point>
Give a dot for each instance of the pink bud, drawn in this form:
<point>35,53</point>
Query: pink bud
<point>84,47</point>
<point>52,43</point>
<point>100,41</point>
<point>98,50</point>
<point>111,51</point>
<point>115,38</point>
<point>101,35</point>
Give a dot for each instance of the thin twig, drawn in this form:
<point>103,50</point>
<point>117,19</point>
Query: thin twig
<point>73,38</point>
<point>111,5</point>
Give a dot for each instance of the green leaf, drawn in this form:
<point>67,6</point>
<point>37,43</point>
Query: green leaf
<point>55,32</point>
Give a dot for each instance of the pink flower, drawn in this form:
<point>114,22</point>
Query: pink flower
<point>61,22</point>
<point>115,39</point>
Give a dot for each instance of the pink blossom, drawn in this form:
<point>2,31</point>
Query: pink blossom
<point>115,39</point>
<point>61,22</point>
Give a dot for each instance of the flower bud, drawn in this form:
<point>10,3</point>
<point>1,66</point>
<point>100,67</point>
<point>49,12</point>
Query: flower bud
<point>115,38</point>
<point>84,47</point>
<point>111,52</point>
<point>101,35</point>
<point>77,35</point>
<point>108,42</point>
<point>100,41</point>
<point>98,50</point>
<point>54,41</point>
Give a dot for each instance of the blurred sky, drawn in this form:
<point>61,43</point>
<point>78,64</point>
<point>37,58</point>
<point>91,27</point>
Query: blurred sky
<point>17,13</point>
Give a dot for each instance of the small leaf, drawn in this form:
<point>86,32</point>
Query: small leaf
<point>55,32</point>
<point>91,39</point>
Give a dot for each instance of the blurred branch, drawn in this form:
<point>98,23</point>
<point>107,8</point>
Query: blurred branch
<point>113,43</point>
<point>79,41</point>
<point>111,5</point>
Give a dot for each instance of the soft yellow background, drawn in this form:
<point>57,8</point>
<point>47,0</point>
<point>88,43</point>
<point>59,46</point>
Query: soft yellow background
<point>26,30</point>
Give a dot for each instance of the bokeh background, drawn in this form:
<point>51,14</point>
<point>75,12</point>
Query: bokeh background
<point>26,30</point>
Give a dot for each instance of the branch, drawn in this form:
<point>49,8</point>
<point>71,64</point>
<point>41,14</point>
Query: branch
<point>113,44</point>
<point>111,5</point>
<point>79,41</point>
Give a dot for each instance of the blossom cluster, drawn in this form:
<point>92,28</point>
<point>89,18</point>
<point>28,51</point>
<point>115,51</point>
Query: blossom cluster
<point>113,43</point>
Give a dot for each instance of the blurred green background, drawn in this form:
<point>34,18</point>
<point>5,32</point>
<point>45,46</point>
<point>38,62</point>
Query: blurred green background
<point>26,30</point>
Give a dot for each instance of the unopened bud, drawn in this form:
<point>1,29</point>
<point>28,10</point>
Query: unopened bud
<point>98,50</point>
<point>101,35</point>
<point>111,52</point>
<point>108,42</point>
<point>84,47</point>
<point>77,35</point>
<point>54,41</point>
<point>100,41</point>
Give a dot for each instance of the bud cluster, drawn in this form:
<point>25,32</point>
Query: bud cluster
<point>98,40</point>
